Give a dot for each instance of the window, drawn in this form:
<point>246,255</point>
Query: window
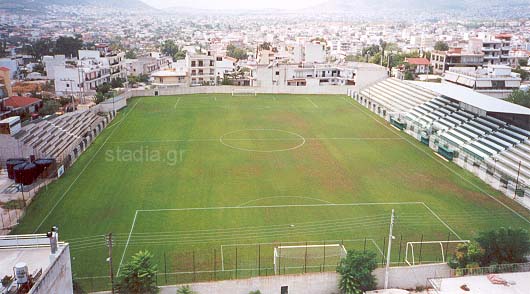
<point>201,63</point>
<point>284,290</point>
<point>277,73</point>
<point>193,63</point>
<point>211,63</point>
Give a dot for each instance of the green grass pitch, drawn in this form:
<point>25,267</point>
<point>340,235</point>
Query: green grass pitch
<point>191,178</point>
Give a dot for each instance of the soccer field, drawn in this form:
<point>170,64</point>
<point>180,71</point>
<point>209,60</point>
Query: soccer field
<point>211,184</point>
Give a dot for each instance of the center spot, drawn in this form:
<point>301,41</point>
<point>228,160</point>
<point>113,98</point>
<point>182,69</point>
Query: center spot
<point>262,140</point>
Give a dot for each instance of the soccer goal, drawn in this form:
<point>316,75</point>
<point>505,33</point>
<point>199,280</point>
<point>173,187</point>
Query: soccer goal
<point>307,256</point>
<point>243,92</point>
<point>424,251</point>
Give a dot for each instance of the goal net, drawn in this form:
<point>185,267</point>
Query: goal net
<point>307,256</point>
<point>430,251</point>
<point>243,92</point>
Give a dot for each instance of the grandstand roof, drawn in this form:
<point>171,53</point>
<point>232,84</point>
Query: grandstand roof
<point>473,98</point>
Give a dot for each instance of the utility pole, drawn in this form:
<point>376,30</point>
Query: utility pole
<point>390,237</point>
<point>109,259</point>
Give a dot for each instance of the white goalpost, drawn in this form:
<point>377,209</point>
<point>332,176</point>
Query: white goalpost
<point>244,92</point>
<point>410,258</point>
<point>299,256</point>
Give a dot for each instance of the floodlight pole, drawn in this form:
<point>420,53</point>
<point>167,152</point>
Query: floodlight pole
<point>390,236</point>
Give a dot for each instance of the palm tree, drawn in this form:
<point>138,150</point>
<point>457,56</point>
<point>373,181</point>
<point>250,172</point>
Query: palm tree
<point>185,290</point>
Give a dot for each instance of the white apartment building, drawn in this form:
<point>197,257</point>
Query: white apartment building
<point>224,65</point>
<point>201,67</point>
<point>314,75</point>
<point>82,76</point>
<point>495,80</point>
<point>145,65</point>
<point>309,52</point>
<point>53,61</point>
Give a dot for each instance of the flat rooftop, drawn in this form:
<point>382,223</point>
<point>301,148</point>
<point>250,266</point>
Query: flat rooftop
<point>35,258</point>
<point>518,283</point>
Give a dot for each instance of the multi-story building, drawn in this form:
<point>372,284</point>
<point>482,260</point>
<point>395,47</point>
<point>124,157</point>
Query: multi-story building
<point>312,75</point>
<point>495,80</point>
<point>82,76</point>
<point>506,47</point>
<point>145,65</point>
<point>441,61</point>
<point>201,67</point>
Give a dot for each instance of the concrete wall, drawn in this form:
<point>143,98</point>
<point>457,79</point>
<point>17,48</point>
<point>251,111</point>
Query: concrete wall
<point>410,277</point>
<point>58,278</point>
<point>406,277</point>
<point>12,148</point>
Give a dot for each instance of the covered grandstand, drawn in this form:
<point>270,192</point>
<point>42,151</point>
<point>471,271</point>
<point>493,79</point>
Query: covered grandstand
<point>485,135</point>
<point>62,138</point>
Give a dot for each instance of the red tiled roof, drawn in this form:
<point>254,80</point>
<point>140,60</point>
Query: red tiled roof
<point>4,68</point>
<point>418,61</point>
<point>20,101</point>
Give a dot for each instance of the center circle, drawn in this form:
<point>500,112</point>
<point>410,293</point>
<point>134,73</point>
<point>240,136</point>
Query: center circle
<point>240,140</point>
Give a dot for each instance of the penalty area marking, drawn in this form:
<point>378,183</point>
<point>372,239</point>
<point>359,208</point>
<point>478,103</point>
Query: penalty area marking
<point>276,206</point>
<point>295,197</point>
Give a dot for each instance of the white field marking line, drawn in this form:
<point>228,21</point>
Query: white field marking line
<point>262,139</point>
<point>443,164</point>
<point>266,206</point>
<point>439,219</point>
<point>377,246</point>
<point>309,99</point>
<point>280,206</point>
<point>81,172</point>
<point>296,197</point>
<point>177,103</point>
<point>300,137</point>
<point>127,244</point>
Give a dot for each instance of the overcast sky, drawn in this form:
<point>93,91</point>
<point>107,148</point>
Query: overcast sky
<point>231,4</point>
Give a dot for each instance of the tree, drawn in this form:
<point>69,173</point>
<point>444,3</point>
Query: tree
<point>520,97</point>
<point>504,245</point>
<point>467,255</point>
<point>523,62</point>
<point>236,52</point>
<point>138,276</point>
<point>355,272</point>
<point>117,83</point>
<point>170,48</point>
<point>42,47</point>
<point>255,292</point>
<point>265,46</point>
<point>185,290</point>
<point>68,46</point>
<point>522,73</point>
<point>409,76</point>
<point>50,106</point>
<point>441,46</point>
<point>130,54</point>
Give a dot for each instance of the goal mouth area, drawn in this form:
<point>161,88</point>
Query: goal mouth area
<point>244,92</point>
<point>442,246</point>
<point>314,255</point>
